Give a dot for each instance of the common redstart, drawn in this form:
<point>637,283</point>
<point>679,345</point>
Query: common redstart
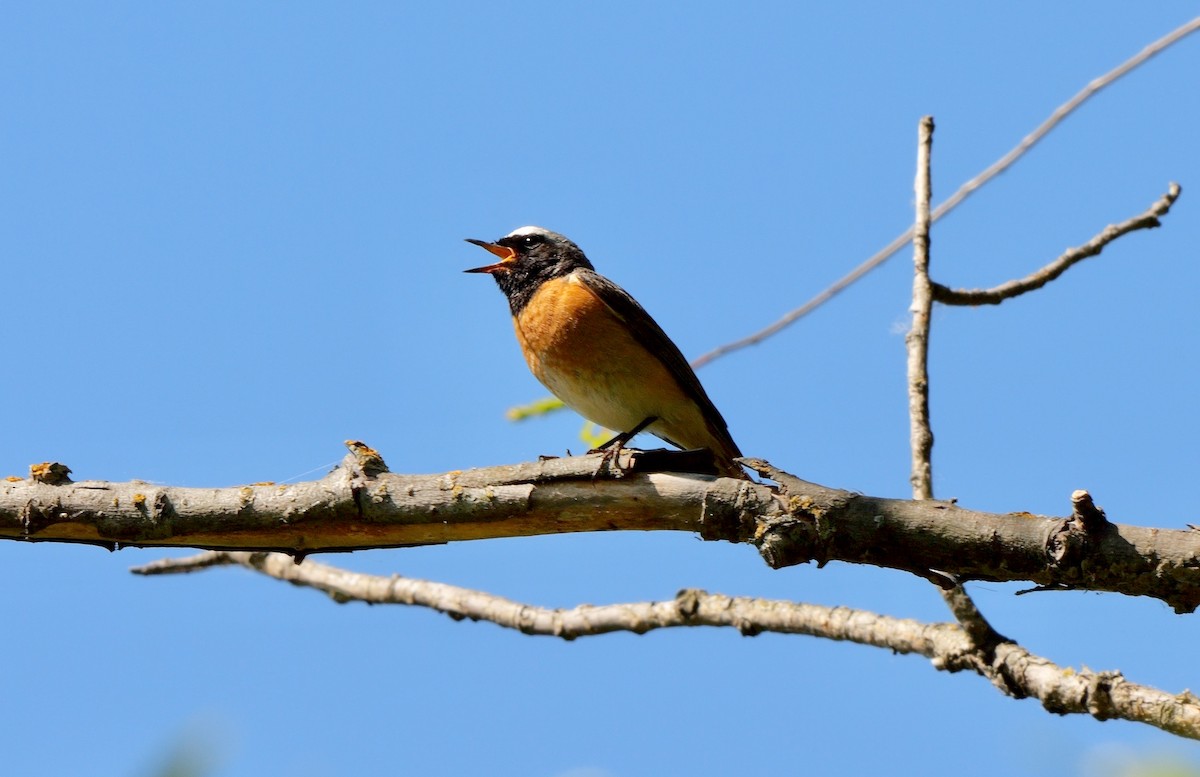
<point>598,351</point>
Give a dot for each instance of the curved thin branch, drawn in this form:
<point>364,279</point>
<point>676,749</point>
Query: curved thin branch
<point>1016,671</point>
<point>964,191</point>
<point>1149,219</point>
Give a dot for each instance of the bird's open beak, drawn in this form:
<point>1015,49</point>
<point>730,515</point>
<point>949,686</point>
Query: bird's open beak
<point>506,254</point>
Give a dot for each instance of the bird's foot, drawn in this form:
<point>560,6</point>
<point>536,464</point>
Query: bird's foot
<point>608,452</point>
<point>612,449</point>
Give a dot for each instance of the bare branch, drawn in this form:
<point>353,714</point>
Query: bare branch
<point>690,607</point>
<point>977,628</point>
<point>830,524</point>
<point>920,432</point>
<point>1149,219</point>
<point>983,636</point>
<point>964,191</point>
<point>361,505</point>
<point>1104,695</point>
<point>792,523</point>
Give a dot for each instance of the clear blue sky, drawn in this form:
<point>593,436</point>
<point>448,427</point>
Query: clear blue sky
<point>232,238</point>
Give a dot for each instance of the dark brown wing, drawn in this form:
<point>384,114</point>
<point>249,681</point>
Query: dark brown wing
<point>646,330</point>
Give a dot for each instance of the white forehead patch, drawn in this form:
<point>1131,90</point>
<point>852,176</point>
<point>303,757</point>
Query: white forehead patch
<point>523,231</point>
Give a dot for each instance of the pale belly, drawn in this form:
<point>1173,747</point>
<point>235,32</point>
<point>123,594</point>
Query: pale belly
<point>607,397</point>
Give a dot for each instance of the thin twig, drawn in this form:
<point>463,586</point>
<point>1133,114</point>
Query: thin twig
<point>917,341</point>
<point>790,318</point>
<point>1007,665</point>
<point>983,637</point>
<point>1149,219</point>
<point>981,632</point>
<point>964,191</point>
<point>690,607</point>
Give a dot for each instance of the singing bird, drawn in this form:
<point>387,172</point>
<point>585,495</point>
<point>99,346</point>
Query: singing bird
<point>589,342</point>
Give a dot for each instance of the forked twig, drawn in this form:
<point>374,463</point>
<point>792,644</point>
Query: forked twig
<point>1149,219</point>
<point>964,191</point>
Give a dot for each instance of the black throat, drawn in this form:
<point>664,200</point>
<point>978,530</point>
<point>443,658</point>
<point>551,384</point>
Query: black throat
<point>519,284</point>
<point>521,279</point>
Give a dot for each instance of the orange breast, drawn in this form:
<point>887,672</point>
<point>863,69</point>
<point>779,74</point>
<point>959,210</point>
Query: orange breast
<point>562,327</point>
<point>584,353</point>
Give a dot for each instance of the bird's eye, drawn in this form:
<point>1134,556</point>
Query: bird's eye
<point>529,241</point>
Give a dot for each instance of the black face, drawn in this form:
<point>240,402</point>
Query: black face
<point>533,240</point>
<point>537,257</point>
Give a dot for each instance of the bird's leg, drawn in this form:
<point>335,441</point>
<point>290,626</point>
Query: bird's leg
<point>625,437</point>
<point>613,447</point>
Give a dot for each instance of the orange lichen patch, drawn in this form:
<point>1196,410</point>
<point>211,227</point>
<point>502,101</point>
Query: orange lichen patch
<point>264,483</point>
<point>360,448</point>
<point>139,500</point>
<point>13,479</point>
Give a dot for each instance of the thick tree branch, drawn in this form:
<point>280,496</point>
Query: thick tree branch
<point>965,190</point>
<point>1104,695</point>
<point>792,523</point>
<point>1149,219</point>
<point>361,505</point>
<point>963,545</point>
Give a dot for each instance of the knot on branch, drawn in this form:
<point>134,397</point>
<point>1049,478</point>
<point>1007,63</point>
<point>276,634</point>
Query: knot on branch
<point>788,530</point>
<point>1086,514</point>
<point>795,536</point>
<point>52,473</point>
<point>687,602</point>
<point>368,460</point>
<point>1098,696</point>
<point>1069,541</point>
